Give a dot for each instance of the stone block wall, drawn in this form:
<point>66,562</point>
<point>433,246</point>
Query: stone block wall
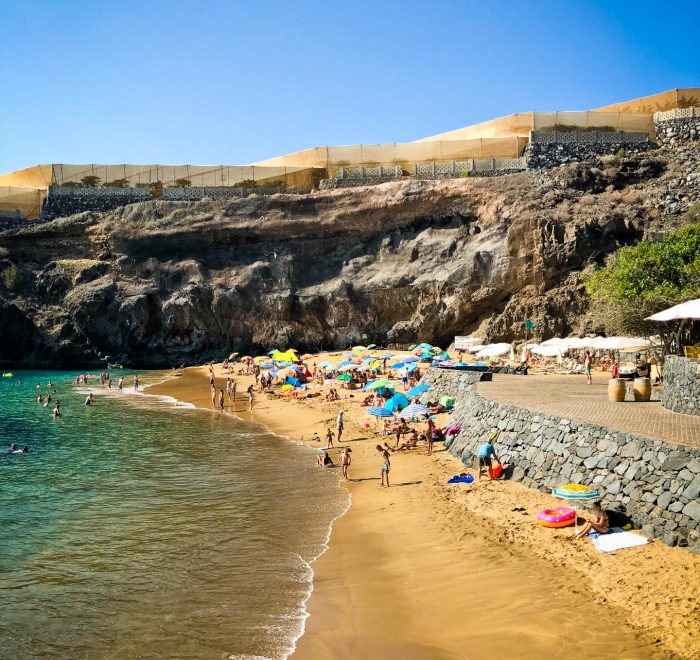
<point>681,392</point>
<point>65,201</point>
<point>173,194</point>
<point>545,155</point>
<point>657,483</point>
<point>679,125</point>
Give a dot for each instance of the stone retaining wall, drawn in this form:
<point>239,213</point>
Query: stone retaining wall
<point>681,391</point>
<point>657,484</point>
<point>65,201</point>
<point>545,155</point>
<point>173,194</point>
<point>677,129</point>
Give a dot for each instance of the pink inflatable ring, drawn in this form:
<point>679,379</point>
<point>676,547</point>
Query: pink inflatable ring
<point>561,517</point>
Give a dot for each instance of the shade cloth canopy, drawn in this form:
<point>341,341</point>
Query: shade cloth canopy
<point>494,350</point>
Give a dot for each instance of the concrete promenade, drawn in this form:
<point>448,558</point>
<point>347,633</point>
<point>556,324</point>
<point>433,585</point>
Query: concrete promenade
<point>570,397</point>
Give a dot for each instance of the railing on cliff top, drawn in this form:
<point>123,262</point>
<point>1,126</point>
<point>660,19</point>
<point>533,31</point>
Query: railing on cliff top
<point>586,137</point>
<point>678,113</point>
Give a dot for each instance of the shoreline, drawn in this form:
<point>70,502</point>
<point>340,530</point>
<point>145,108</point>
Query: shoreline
<point>400,562</point>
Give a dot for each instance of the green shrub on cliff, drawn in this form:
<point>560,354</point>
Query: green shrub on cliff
<point>639,280</point>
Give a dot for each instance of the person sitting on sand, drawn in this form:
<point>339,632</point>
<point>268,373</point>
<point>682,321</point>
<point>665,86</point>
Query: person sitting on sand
<point>600,523</point>
<point>345,461</point>
<point>325,460</point>
<point>386,465</point>
<point>485,453</point>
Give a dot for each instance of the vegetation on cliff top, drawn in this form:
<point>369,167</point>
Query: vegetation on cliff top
<point>639,280</point>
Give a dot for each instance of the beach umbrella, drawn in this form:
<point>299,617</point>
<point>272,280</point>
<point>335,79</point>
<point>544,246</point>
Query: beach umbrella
<point>686,310</point>
<point>417,390</point>
<point>387,356</point>
<point>287,387</point>
<point>233,355</point>
<point>410,359</point>
<point>371,346</point>
<point>461,365</point>
<point>325,364</point>
<point>375,364</point>
<point>359,349</point>
<point>411,367</point>
<point>425,355</point>
<point>576,493</point>
<point>345,377</point>
<point>293,381</point>
<point>379,411</point>
<point>349,367</point>
<point>397,402</point>
<point>494,350</point>
<point>349,355</point>
<point>267,365</point>
<point>414,410</point>
<point>377,384</point>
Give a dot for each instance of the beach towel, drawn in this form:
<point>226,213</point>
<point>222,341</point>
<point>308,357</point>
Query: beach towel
<point>617,539</point>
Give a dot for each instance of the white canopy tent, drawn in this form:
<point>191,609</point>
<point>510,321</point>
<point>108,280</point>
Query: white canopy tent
<point>686,310</point>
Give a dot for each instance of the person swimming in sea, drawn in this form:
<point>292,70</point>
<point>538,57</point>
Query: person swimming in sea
<point>57,410</point>
<point>89,400</point>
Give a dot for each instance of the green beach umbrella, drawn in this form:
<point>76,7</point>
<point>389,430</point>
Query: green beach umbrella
<point>344,377</point>
<point>378,384</point>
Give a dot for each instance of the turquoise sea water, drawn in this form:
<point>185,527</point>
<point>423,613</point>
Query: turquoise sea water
<point>143,528</point>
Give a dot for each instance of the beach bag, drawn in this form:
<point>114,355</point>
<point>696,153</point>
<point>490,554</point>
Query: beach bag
<point>497,470</point>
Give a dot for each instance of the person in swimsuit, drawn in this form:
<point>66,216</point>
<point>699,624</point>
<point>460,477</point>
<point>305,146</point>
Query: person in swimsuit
<point>325,460</point>
<point>386,465</point>
<point>587,364</point>
<point>600,523</point>
<point>340,424</point>
<point>345,461</point>
<point>221,400</point>
<point>250,396</point>
<point>329,438</point>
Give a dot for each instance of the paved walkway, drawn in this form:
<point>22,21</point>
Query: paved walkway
<point>571,398</point>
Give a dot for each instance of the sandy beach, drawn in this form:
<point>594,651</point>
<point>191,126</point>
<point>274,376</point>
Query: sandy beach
<point>425,569</point>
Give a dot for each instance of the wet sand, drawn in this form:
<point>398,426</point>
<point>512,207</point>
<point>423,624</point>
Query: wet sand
<point>424,569</point>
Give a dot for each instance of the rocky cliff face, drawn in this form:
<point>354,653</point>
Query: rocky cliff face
<point>162,283</point>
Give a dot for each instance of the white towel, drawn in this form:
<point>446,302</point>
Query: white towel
<point>617,539</point>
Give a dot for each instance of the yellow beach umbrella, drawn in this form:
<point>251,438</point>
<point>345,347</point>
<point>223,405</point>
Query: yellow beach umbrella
<point>286,388</point>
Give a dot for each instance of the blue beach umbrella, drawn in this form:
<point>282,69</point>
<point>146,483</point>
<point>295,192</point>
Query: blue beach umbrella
<point>397,402</point>
<point>417,390</point>
<point>411,359</point>
<point>379,411</point>
<point>325,364</point>
<point>293,381</point>
<point>397,365</point>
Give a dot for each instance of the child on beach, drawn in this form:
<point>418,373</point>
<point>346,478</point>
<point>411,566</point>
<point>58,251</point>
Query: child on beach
<point>486,451</point>
<point>329,438</point>
<point>345,461</point>
<point>221,400</point>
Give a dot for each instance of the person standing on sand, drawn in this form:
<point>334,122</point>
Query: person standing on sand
<point>329,438</point>
<point>136,383</point>
<point>250,397</point>
<point>221,400</point>
<point>213,395</point>
<point>120,383</point>
<point>429,435</point>
<point>587,364</point>
<point>339,424</point>
<point>386,465</point>
<point>345,461</point>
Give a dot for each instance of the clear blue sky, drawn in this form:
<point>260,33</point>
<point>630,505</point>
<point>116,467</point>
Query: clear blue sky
<point>230,82</point>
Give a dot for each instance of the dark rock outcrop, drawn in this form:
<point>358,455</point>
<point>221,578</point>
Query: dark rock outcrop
<point>161,283</point>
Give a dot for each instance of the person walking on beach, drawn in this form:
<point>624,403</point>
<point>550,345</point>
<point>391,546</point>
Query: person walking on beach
<point>339,425</point>
<point>345,461</point>
<point>386,465</point>
<point>404,378</point>
<point>120,383</point>
<point>221,400</point>
<point>136,383</point>
<point>587,364</point>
